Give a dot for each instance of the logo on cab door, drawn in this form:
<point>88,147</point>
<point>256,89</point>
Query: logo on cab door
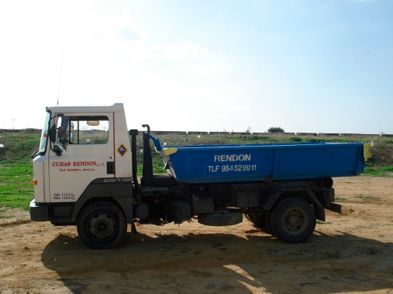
<point>77,166</point>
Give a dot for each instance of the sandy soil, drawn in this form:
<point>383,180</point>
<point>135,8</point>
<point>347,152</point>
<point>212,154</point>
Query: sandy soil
<point>351,252</point>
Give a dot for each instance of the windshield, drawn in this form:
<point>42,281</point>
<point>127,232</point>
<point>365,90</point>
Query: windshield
<point>44,134</point>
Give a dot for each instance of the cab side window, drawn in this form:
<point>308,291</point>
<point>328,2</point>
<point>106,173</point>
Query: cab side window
<point>88,129</point>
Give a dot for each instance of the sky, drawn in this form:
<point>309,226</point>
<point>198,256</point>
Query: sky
<point>208,65</point>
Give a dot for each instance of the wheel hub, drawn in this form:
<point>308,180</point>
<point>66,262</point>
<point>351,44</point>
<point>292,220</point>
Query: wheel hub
<point>295,220</point>
<point>102,226</point>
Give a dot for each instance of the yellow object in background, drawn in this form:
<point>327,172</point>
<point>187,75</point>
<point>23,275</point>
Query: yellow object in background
<point>168,151</point>
<point>366,151</point>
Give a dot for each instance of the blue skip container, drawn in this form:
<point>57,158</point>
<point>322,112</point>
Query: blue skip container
<point>261,162</point>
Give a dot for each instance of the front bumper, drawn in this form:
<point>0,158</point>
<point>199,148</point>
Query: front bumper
<point>38,211</point>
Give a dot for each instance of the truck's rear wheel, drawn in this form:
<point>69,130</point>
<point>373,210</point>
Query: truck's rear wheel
<point>293,220</point>
<point>102,225</point>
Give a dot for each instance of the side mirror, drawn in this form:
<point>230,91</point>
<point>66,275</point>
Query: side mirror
<point>52,134</point>
<point>57,149</point>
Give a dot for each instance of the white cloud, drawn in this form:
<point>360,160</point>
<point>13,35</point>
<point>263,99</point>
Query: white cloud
<point>203,69</point>
<point>68,49</point>
<point>179,51</point>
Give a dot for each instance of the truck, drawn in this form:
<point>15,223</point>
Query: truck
<point>85,174</point>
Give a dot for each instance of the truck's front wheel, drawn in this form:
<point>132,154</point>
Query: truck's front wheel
<point>101,225</point>
<point>293,220</point>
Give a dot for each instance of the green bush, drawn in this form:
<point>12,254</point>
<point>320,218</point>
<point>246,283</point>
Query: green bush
<point>275,130</point>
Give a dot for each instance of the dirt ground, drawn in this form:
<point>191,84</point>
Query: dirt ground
<point>351,252</point>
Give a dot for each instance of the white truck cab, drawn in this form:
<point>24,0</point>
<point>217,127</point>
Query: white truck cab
<point>79,145</point>
<point>82,149</point>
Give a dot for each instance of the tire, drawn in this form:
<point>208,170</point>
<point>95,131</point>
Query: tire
<point>102,225</point>
<point>260,219</point>
<point>293,220</point>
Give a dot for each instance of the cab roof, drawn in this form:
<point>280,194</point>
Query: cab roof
<point>117,107</point>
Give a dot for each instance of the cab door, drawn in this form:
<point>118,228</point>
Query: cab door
<point>82,152</point>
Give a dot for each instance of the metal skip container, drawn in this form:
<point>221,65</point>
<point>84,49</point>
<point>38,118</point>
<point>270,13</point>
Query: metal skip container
<point>261,162</point>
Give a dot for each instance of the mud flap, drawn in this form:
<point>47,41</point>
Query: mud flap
<point>335,207</point>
